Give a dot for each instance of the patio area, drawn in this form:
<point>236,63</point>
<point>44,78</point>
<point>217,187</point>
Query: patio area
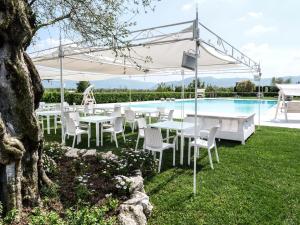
<point>254,183</point>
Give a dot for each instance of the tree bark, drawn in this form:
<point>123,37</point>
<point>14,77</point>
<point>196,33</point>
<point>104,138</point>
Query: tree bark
<point>20,93</point>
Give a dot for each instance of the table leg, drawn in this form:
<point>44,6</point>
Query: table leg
<point>97,134</point>
<point>101,134</point>
<point>55,123</point>
<point>181,148</point>
<point>168,134</point>
<point>48,124</point>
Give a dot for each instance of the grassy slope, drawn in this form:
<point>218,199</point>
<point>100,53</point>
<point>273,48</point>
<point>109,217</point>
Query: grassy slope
<point>258,183</point>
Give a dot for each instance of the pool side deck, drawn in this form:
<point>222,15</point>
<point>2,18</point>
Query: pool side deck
<point>267,118</point>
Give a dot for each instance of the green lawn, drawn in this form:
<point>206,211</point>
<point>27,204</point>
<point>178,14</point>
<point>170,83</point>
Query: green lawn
<point>256,183</point>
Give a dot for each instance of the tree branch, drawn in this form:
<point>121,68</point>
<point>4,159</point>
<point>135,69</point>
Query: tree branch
<point>31,2</point>
<point>51,22</point>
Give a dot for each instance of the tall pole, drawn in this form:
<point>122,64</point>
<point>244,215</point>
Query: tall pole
<point>182,94</point>
<point>259,94</point>
<point>196,38</point>
<point>61,55</point>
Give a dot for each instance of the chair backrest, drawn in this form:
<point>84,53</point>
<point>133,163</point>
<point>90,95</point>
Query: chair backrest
<point>161,110</point>
<point>130,115</point>
<point>117,109</point>
<point>212,135</point>
<point>70,125</point>
<point>75,116</point>
<point>170,115</point>
<point>118,124</point>
<point>142,124</point>
<point>153,138</point>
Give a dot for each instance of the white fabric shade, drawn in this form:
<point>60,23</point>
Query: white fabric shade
<point>289,89</point>
<point>158,55</point>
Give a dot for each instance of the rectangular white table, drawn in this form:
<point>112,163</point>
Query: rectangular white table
<point>178,126</point>
<point>47,114</point>
<point>97,120</point>
<point>146,112</point>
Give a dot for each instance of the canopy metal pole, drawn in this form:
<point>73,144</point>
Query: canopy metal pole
<point>259,95</point>
<point>61,55</point>
<point>182,94</point>
<point>196,37</point>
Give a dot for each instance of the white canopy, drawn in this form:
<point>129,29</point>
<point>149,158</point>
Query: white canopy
<point>289,89</point>
<point>150,55</point>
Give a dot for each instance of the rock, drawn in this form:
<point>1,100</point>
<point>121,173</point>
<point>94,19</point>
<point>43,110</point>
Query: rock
<point>108,155</point>
<point>91,152</point>
<point>140,198</point>
<point>137,184</point>
<point>75,153</point>
<point>132,215</point>
<point>72,153</point>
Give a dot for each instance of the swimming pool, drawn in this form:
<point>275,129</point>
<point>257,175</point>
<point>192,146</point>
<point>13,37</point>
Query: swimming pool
<point>226,106</point>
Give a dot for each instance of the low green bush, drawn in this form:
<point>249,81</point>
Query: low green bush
<point>111,97</point>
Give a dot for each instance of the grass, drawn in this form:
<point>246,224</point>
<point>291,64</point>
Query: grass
<point>256,183</point>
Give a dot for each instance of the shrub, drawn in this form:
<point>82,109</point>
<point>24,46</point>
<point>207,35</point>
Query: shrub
<point>39,217</point>
<point>90,215</point>
<point>111,97</point>
<point>128,162</point>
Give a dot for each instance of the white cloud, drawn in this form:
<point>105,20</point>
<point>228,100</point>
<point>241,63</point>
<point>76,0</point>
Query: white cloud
<point>260,29</point>
<point>251,15</point>
<point>275,61</point>
<point>191,5</point>
<point>187,7</point>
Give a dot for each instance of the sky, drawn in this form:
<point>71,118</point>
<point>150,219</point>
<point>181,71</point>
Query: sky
<point>265,30</point>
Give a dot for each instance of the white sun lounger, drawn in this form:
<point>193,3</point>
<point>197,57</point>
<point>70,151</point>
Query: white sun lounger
<point>232,127</point>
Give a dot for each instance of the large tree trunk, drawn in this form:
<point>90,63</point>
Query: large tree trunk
<point>20,93</point>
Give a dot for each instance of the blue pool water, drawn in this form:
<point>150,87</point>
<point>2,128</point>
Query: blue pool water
<point>230,106</point>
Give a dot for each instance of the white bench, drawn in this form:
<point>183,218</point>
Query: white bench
<point>236,128</point>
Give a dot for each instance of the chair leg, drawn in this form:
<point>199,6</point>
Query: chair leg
<point>124,137</point>
<point>111,137</point>
<point>217,155</point>
<point>116,140</point>
<point>160,159</point>
<point>73,145</point>
<point>189,153</point>
<point>89,137</point>
<point>174,150</point>
<point>210,159</point>
<point>137,143</point>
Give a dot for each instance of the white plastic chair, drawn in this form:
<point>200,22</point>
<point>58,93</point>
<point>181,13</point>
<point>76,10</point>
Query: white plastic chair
<point>142,124</point>
<point>190,133</point>
<point>76,117</point>
<point>209,144</point>
<point>72,129</point>
<point>166,117</point>
<point>117,109</point>
<point>154,142</point>
<point>116,128</point>
<point>130,118</point>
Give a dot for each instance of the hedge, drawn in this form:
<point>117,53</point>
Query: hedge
<point>111,97</point>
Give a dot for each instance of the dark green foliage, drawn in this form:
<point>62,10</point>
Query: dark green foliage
<point>245,86</point>
<point>82,85</point>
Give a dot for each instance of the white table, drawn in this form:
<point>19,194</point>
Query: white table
<point>178,126</point>
<point>47,114</point>
<point>146,111</point>
<point>105,108</point>
<point>97,120</point>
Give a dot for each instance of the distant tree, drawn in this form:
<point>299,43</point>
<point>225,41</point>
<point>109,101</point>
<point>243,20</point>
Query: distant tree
<point>82,85</point>
<point>245,86</point>
<point>280,80</point>
<point>191,85</point>
<point>163,87</point>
